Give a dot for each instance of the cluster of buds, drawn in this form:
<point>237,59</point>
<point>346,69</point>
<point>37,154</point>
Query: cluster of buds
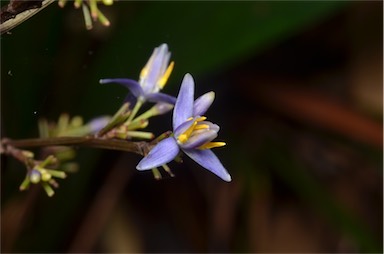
<point>90,11</point>
<point>40,174</point>
<point>122,127</point>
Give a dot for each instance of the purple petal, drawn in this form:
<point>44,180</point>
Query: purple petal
<point>208,160</point>
<point>202,103</point>
<point>161,97</point>
<point>199,139</point>
<point>184,103</point>
<point>131,84</point>
<point>165,151</point>
<point>212,126</point>
<point>159,56</point>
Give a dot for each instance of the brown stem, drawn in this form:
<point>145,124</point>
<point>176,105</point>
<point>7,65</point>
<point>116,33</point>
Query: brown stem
<point>121,145</point>
<point>18,11</point>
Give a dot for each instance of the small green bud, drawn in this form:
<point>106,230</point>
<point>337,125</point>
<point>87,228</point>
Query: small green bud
<point>35,176</point>
<point>156,173</point>
<point>25,184</point>
<point>76,121</point>
<point>140,134</point>
<point>107,2</point>
<point>57,173</point>
<point>168,170</point>
<point>62,3</point>
<point>48,189</point>
<point>77,3</point>
<point>45,176</point>
<point>27,154</point>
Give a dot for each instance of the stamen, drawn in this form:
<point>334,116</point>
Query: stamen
<point>144,72</point>
<point>202,118</point>
<point>202,127</point>
<point>210,145</point>
<point>166,75</point>
<point>184,137</point>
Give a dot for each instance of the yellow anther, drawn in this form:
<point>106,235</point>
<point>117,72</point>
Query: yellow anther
<point>164,78</point>
<point>210,145</point>
<point>185,136</point>
<point>182,138</point>
<point>201,119</point>
<point>144,72</point>
<point>202,127</point>
<point>189,119</point>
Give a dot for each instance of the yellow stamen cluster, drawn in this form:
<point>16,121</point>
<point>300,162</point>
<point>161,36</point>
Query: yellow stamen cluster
<point>186,134</point>
<point>195,126</point>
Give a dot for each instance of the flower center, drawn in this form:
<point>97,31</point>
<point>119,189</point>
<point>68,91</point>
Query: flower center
<point>183,137</point>
<point>196,134</point>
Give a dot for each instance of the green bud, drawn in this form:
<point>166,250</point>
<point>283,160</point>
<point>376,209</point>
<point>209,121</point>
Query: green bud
<point>45,176</point>
<point>168,170</point>
<point>62,123</point>
<point>62,3</point>
<point>87,17</point>
<point>141,124</point>
<point>103,20</point>
<point>140,134</point>
<point>77,3</point>
<point>156,173</point>
<point>25,184</point>
<point>48,161</point>
<point>35,176</point>
<point>48,189</point>
<point>107,2</point>
<point>27,154</point>
<point>76,121</point>
<point>57,173</point>
<point>118,118</point>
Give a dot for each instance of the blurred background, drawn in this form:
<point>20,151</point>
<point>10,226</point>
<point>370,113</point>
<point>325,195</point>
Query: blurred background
<point>299,91</point>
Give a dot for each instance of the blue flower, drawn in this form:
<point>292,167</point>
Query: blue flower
<point>153,78</point>
<point>191,133</point>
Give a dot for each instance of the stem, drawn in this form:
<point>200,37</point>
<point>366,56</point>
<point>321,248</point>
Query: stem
<point>95,142</point>
<point>18,11</point>
<point>139,103</point>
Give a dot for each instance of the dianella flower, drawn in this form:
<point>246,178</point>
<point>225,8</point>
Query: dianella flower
<point>191,133</point>
<point>153,78</point>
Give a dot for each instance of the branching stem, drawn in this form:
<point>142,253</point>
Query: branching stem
<point>141,147</point>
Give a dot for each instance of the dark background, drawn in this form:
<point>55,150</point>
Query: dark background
<point>298,97</point>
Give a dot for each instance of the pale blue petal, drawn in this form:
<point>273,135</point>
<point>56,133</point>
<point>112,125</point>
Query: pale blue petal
<point>164,152</point>
<point>212,126</point>
<point>131,84</point>
<point>208,160</point>
<point>184,103</point>
<point>201,137</point>
<point>183,127</point>
<point>161,97</point>
<point>202,103</point>
<point>154,71</point>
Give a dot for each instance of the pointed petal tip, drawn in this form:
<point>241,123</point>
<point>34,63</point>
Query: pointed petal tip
<point>103,81</point>
<point>227,178</point>
<point>140,167</point>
